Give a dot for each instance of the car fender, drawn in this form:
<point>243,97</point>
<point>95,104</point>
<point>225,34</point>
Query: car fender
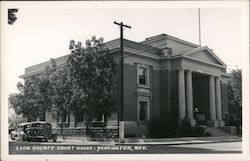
<point>53,134</point>
<point>22,133</point>
<point>13,135</point>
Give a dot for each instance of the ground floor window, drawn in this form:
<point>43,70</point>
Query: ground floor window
<point>65,115</point>
<point>143,109</point>
<point>79,117</point>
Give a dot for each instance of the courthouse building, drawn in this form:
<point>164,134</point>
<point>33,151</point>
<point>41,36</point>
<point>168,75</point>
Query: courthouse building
<point>163,76</point>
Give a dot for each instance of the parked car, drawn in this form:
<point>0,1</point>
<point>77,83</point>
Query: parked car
<point>40,130</point>
<point>20,132</point>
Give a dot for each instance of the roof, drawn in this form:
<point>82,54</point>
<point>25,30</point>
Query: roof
<point>132,44</point>
<point>40,122</point>
<point>137,48</point>
<point>207,49</point>
<point>24,123</point>
<point>113,44</point>
<point>163,36</point>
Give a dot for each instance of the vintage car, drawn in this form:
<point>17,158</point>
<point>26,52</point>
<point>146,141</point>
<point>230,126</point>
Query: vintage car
<point>40,130</point>
<point>20,132</point>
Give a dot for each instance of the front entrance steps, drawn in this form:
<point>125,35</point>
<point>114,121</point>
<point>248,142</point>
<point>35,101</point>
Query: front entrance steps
<point>221,131</point>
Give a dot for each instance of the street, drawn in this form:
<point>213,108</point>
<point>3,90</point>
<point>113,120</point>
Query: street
<point>224,147</point>
<point>17,147</point>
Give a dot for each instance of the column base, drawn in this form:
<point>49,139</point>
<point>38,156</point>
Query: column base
<point>221,123</point>
<point>121,131</point>
<point>213,123</point>
<point>180,122</point>
<point>192,122</point>
<point>187,122</point>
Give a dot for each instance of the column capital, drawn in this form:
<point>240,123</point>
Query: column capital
<point>218,78</point>
<point>189,71</point>
<point>180,70</point>
<point>212,76</point>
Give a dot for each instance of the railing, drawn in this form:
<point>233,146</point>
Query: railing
<point>100,129</point>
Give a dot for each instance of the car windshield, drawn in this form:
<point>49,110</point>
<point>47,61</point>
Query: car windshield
<point>37,125</point>
<point>46,125</point>
<point>26,126</point>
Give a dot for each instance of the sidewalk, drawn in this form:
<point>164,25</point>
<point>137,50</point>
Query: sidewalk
<point>184,140</point>
<point>149,141</point>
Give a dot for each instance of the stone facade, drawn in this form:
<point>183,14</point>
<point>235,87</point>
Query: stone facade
<point>163,76</point>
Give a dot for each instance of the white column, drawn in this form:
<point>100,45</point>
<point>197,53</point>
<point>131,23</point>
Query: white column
<point>218,101</point>
<point>189,90</point>
<point>181,94</point>
<point>212,101</point>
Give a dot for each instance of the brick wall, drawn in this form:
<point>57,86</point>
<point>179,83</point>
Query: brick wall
<point>155,89</point>
<point>130,87</point>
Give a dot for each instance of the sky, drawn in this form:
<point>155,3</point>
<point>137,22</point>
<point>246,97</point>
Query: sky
<point>42,32</point>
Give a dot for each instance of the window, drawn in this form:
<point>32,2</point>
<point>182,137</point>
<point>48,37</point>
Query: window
<point>79,117</point>
<point>143,75</point>
<point>64,115</point>
<point>143,109</point>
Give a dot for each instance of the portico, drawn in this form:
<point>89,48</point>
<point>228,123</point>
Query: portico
<point>188,66</point>
<point>185,98</point>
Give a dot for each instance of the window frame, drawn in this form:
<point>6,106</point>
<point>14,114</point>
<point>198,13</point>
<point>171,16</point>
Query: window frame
<point>66,114</point>
<point>143,99</point>
<point>147,81</point>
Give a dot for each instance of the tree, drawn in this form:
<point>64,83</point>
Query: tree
<point>34,97</point>
<point>45,89</point>
<point>26,102</point>
<point>235,97</point>
<point>91,69</point>
<point>62,93</point>
<point>14,119</point>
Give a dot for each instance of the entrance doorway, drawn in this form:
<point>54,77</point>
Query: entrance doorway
<point>200,98</point>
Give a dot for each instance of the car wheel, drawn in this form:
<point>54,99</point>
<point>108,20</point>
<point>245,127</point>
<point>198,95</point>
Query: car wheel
<point>12,138</point>
<point>22,138</point>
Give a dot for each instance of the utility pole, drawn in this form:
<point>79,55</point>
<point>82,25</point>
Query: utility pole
<point>121,110</point>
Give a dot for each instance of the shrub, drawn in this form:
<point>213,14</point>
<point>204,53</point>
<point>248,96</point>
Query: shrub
<point>207,134</point>
<point>187,131</point>
<point>159,128</point>
<point>200,131</point>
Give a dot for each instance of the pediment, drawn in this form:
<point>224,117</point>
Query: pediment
<point>204,54</point>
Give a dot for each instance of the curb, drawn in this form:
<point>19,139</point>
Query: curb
<point>174,143</point>
<point>153,143</point>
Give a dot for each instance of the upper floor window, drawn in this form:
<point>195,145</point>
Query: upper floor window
<point>143,75</point>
